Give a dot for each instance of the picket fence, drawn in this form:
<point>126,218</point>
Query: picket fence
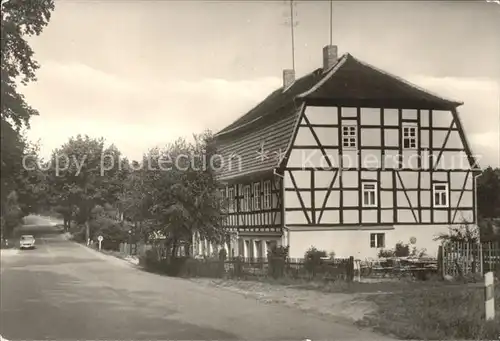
<point>460,259</point>
<point>134,249</point>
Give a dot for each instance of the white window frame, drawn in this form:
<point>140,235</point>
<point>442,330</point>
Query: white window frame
<point>412,140</point>
<point>442,192</point>
<point>222,193</point>
<point>246,201</point>
<point>230,197</point>
<point>349,135</point>
<point>374,237</point>
<point>256,196</point>
<point>267,195</point>
<point>373,190</point>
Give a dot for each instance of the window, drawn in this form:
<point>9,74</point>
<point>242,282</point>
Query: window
<point>369,194</point>
<point>256,196</point>
<point>440,191</point>
<point>245,207</point>
<point>349,136</point>
<point>231,203</point>
<point>266,201</point>
<point>377,240</point>
<point>409,137</point>
<point>222,196</point>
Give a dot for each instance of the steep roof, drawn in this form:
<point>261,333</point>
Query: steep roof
<point>269,126</point>
<point>354,81</point>
<point>275,101</point>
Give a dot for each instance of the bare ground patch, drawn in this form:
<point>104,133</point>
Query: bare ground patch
<point>350,307</point>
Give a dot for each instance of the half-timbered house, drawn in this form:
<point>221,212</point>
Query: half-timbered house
<point>348,159</point>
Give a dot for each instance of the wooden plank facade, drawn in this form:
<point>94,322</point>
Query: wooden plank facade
<point>348,159</point>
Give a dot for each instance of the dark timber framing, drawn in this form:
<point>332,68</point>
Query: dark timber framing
<point>272,220</point>
<point>431,164</point>
<point>359,145</point>
<point>327,195</point>
<point>416,207</point>
<point>264,219</point>
<point>461,195</point>
<point>341,165</point>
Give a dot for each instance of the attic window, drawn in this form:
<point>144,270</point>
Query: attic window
<point>409,137</point>
<point>349,136</point>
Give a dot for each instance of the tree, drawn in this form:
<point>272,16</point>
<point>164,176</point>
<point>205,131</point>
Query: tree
<point>135,200</point>
<point>21,174</point>
<point>84,174</point>
<point>488,193</point>
<point>31,181</point>
<point>183,189</point>
<point>12,215</point>
<point>20,19</point>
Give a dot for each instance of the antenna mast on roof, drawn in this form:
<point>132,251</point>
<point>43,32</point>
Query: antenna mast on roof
<point>331,21</point>
<point>292,22</point>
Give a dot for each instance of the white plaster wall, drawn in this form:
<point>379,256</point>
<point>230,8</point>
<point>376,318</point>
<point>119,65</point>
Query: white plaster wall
<point>343,243</point>
<point>410,114</point>
<point>441,118</point>
<point>322,115</point>
<point>391,117</point>
<point>346,243</point>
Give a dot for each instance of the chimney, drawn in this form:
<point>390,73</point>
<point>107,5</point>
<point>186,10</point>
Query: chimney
<point>329,56</point>
<point>288,78</point>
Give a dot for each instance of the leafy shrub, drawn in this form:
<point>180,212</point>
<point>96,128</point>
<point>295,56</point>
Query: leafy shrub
<point>312,260</point>
<point>277,257</point>
<point>174,266</point>
<point>113,232</point>
<point>12,216</point>
<point>385,253</point>
<point>401,250</point>
<point>150,260</point>
<point>79,234</point>
<point>201,268</point>
<point>222,254</point>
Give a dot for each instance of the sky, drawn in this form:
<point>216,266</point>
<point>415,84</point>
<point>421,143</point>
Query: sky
<point>144,73</point>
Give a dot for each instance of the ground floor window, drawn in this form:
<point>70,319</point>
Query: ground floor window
<point>377,240</point>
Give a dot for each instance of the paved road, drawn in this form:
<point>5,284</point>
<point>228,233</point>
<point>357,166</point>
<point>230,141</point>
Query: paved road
<point>64,291</point>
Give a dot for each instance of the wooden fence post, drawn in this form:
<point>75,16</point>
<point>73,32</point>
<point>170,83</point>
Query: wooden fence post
<point>489,296</point>
<point>440,262</point>
<point>350,269</point>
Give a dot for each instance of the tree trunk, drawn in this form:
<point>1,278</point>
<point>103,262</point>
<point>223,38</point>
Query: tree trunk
<point>174,248</point>
<point>87,232</point>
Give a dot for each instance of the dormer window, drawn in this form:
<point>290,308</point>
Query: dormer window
<point>349,136</point>
<point>409,137</point>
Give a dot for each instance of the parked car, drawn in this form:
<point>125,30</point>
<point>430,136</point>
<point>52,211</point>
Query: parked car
<point>27,242</point>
